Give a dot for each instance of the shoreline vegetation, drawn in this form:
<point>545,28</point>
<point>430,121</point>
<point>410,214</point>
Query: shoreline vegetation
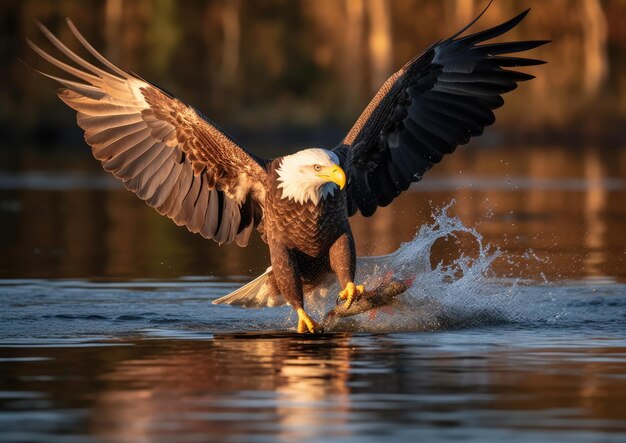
<point>305,70</point>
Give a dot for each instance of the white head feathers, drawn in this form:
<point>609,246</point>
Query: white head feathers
<point>298,175</point>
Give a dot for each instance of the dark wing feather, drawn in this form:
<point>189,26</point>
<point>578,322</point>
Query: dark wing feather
<point>436,102</point>
<point>164,151</point>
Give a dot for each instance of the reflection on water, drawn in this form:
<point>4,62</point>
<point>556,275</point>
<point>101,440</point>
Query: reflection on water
<point>282,387</point>
<point>595,205</point>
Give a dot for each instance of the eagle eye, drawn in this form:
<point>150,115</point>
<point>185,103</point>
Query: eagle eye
<point>317,167</point>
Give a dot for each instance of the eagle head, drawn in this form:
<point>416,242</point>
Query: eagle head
<point>310,175</point>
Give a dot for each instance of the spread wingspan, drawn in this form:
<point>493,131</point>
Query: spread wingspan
<point>436,102</point>
<point>164,151</point>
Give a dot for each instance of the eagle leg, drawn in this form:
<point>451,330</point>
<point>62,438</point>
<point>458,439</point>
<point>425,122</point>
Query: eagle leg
<point>306,324</point>
<point>350,293</point>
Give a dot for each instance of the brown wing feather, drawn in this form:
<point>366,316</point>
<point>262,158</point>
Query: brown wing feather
<point>161,149</point>
<point>372,109</point>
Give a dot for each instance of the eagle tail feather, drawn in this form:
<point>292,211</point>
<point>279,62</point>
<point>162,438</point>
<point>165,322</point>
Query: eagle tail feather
<point>259,293</point>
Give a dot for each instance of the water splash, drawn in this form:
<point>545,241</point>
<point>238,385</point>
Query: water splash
<point>462,293</point>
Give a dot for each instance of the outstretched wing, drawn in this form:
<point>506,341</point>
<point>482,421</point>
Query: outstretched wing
<point>164,151</point>
<point>436,102</point>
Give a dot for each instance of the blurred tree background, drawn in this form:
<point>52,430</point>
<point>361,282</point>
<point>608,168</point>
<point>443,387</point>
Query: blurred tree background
<point>262,68</point>
<point>280,75</point>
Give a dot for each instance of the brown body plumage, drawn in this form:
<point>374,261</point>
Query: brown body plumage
<point>306,241</point>
<point>184,166</point>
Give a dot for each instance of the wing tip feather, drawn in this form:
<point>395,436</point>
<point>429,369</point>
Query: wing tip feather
<point>470,24</point>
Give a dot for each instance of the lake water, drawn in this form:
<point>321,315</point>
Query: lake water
<point>514,328</point>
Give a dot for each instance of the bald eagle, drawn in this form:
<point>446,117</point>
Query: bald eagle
<point>187,168</point>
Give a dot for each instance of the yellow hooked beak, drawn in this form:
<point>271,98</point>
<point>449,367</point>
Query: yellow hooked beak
<point>333,174</point>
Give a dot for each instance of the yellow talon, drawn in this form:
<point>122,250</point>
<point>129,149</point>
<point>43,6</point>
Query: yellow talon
<point>350,293</point>
<point>306,324</point>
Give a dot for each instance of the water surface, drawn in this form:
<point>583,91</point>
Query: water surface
<point>107,332</point>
